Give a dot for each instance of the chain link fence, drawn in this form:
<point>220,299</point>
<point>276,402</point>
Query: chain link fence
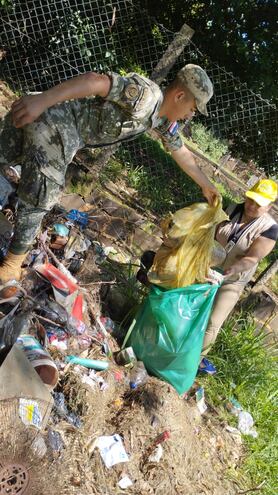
<point>47,41</point>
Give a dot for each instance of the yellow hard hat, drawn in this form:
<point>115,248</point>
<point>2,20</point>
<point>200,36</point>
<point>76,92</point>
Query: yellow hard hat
<point>263,192</point>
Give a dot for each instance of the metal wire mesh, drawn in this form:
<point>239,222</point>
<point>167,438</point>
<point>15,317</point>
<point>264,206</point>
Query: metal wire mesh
<point>47,41</point>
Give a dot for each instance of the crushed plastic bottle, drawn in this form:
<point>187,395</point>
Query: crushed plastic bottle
<point>107,323</point>
<point>246,423</point>
<point>138,375</point>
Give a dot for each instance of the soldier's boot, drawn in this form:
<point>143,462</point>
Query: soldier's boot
<point>11,268</point>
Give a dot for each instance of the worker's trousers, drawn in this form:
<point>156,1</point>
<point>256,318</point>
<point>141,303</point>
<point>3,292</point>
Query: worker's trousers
<point>225,300</point>
<point>44,158</point>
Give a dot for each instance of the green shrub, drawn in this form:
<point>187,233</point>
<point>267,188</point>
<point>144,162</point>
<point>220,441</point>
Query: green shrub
<point>228,196</point>
<point>212,147</point>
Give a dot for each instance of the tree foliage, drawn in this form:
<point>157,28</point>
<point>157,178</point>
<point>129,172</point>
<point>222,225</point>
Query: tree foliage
<point>239,34</point>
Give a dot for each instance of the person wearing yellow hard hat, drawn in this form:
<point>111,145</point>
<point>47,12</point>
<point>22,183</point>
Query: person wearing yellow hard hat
<point>263,193</point>
<point>247,237</point>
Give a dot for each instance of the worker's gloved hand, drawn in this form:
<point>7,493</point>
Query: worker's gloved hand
<point>11,267</point>
<point>27,109</point>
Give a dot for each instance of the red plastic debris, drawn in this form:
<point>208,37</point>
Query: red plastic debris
<point>162,437</point>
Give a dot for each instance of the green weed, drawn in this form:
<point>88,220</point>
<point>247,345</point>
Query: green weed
<point>273,283</point>
<point>211,146</point>
<point>247,370</point>
<point>228,195</point>
<point>82,185</point>
<point>6,3</point>
<point>161,184</point>
<point>132,67</point>
<point>112,171</point>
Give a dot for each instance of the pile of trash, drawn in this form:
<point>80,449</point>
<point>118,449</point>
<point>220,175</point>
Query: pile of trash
<point>77,404</point>
<point>80,414</point>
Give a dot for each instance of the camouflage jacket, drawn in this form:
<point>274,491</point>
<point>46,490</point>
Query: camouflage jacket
<point>131,108</point>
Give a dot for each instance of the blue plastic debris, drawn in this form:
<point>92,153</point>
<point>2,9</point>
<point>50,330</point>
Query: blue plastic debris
<point>61,229</point>
<point>80,217</point>
<point>207,367</point>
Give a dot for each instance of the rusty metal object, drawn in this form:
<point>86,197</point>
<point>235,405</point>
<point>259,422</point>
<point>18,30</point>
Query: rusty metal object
<point>14,479</point>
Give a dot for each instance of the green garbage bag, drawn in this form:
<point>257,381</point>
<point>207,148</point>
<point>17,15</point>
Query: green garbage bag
<point>169,331</point>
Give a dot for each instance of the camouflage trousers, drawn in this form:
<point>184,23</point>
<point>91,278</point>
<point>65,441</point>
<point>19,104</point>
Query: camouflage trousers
<point>44,157</point>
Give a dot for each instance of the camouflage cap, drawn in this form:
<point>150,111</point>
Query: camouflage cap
<point>198,82</point>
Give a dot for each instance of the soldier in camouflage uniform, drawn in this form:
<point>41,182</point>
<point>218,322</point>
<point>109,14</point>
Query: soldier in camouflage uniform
<point>43,132</point>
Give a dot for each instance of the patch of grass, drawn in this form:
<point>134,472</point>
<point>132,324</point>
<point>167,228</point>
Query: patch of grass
<point>161,184</point>
<point>211,146</point>
<point>81,185</point>
<point>273,283</point>
<point>247,370</point>
<point>227,194</point>
<point>112,171</point>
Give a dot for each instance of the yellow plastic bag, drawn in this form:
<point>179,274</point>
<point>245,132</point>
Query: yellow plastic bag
<point>185,256</point>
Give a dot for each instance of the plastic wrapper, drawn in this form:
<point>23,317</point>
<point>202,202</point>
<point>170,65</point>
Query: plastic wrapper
<point>62,411</point>
<point>55,440</point>
<point>188,248</point>
<point>79,217</point>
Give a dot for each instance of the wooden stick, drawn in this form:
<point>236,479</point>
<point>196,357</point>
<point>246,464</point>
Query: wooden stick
<point>255,489</point>
<point>52,322</point>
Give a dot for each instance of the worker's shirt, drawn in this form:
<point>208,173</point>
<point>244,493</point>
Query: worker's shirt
<point>130,109</point>
<point>238,241</point>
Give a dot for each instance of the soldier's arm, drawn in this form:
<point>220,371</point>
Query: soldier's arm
<point>29,108</point>
<point>186,161</point>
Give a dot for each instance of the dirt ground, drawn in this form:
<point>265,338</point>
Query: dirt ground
<point>195,459</point>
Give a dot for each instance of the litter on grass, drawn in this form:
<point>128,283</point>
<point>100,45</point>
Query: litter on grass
<point>112,450</point>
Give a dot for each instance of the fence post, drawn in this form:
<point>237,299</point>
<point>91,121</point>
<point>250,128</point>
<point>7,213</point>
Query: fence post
<point>159,73</point>
<point>172,53</point>
<point>102,157</point>
<point>265,275</point>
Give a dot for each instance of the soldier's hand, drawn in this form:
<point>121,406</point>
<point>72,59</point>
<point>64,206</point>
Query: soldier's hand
<point>211,194</point>
<point>27,109</point>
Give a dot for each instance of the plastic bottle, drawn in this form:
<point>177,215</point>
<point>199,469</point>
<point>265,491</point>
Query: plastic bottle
<point>138,375</point>
<point>88,363</point>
